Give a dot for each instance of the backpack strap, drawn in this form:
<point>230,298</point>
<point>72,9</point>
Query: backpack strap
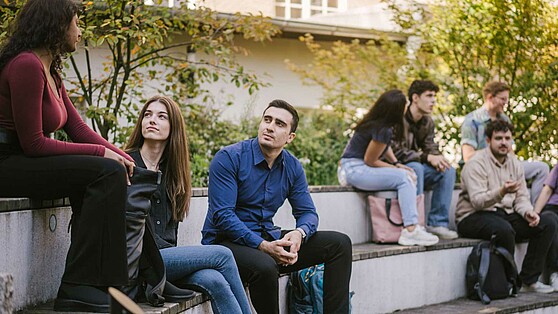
<point>483,271</point>
<point>511,262</point>
<point>388,213</point>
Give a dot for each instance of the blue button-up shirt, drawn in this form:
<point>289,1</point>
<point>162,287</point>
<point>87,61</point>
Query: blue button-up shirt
<point>245,194</point>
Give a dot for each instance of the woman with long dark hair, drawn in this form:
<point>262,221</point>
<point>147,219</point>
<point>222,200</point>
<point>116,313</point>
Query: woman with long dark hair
<point>91,171</point>
<point>362,166</point>
<point>159,142</point>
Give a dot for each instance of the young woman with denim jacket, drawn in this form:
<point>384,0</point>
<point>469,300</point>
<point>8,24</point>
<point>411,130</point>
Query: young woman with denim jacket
<point>159,142</point>
<point>362,164</point>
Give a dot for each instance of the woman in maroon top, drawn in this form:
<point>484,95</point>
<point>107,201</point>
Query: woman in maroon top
<point>91,171</point>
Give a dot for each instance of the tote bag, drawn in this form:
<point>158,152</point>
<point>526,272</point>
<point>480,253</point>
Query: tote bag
<point>387,221</point>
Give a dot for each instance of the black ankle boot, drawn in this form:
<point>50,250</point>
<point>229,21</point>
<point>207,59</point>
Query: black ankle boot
<point>81,298</point>
<point>172,293</point>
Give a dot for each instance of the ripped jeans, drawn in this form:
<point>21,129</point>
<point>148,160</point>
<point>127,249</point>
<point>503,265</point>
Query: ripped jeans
<point>354,172</point>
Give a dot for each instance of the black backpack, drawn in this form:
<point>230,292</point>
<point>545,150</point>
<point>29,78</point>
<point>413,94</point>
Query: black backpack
<point>491,273</point>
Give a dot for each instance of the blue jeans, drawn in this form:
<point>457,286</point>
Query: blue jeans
<point>353,171</point>
<point>442,184</point>
<point>210,269</point>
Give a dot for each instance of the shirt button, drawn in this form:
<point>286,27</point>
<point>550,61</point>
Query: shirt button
<point>158,201</point>
<point>158,222</point>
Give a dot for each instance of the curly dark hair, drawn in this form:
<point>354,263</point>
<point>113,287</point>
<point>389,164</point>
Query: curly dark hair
<point>40,24</point>
<point>497,125</point>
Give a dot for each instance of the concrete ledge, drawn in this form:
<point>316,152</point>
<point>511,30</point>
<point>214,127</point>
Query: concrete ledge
<point>523,303</point>
<point>372,250</point>
<point>198,303</point>
<point>197,192</point>
<point>16,204</point>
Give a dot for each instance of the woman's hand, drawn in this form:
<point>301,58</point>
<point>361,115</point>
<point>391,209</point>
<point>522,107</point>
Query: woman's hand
<point>123,161</point>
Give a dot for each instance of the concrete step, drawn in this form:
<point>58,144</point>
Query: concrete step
<point>524,303</point>
<point>196,305</point>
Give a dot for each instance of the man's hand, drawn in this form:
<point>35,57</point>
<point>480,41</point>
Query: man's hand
<point>276,249</point>
<point>295,237</point>
<point>532,218</point>
<point>438,162</point>
<point>509,187</point>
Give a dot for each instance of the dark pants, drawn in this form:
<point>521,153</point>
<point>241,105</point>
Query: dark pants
<point>97,190</point>
<point>261,272</point>
<point>509,228</point>
<point>552,257</point>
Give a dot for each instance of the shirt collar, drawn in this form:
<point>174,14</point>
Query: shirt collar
<point>484,116</point>
<point>410,119</point>
<point>257,152</point>
<point>258,156</point>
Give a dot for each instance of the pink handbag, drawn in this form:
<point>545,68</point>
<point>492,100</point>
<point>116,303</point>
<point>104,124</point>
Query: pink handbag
<point>387,222</point>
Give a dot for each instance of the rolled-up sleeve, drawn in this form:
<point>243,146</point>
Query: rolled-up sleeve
<point>223,191</point>
<point>469,133</point>
<point>302,205</point>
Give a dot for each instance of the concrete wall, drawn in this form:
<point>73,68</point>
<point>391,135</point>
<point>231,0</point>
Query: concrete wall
<point>34,255</point>
<point>409,280</point>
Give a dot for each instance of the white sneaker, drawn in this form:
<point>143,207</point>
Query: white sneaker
<point>419,236</point>
<point>554,281</point>
<point>443,232</point>
<point>538,287</point>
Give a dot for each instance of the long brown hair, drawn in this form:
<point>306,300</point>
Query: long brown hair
<point>176,174</point>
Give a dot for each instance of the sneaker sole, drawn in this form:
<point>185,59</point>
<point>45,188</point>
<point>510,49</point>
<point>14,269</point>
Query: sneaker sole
<point>68,305</point>
<point>445,237</point>
<point>406,242</point>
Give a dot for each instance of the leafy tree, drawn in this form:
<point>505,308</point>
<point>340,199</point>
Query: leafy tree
<point>352,74</point>
<point>319,143</point>
<point>508,40</point>
<point>149,45</point>
<point>460,44</point>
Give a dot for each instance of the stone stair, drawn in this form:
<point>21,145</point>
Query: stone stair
<point>385,278</point>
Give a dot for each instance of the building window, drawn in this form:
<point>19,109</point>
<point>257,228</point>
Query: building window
<point>293,9</point>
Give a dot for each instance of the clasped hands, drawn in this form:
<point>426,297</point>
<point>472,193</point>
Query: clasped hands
<point>285,250</point>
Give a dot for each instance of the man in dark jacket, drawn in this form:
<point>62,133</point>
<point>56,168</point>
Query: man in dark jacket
<point>419,151</point>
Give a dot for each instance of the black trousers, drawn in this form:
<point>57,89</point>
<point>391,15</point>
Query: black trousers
<point>261,272</point>
<point>509,228</point>
<point>97,190</point>
<point>552,257</point>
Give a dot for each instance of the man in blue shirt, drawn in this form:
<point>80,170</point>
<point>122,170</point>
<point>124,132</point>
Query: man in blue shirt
<point>248,182</point>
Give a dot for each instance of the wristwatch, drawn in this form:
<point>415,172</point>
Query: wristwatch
<point>301,232</point>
